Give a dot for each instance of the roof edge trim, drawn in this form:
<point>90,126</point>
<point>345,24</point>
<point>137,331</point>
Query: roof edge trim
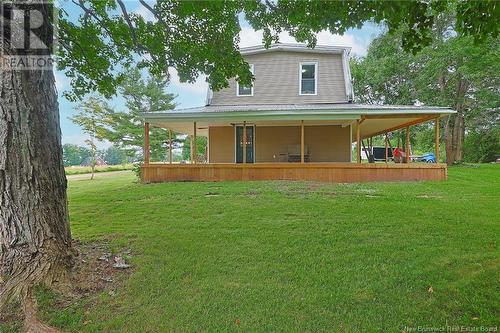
<point>294,48</point>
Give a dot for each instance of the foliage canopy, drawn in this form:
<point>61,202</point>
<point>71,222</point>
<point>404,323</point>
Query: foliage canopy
<point>452,71</point>
<point>201,37</point>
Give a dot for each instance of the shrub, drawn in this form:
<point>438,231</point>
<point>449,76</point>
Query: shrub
<point>137,169</point>
<point>482,146</point>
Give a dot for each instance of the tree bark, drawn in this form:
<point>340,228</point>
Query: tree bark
<point>455,134</point>
<point>455,127</point>
<point>458,136</point>
<point>35,239</point>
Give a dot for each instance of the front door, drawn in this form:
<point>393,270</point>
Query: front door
<point>239,144</point>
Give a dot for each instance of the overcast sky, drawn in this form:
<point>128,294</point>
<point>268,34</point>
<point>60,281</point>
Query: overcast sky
<point>192,95</point>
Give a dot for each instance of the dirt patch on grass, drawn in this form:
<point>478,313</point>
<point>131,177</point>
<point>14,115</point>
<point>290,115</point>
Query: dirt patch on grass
<point>252,193</point>
<point>97,268</point>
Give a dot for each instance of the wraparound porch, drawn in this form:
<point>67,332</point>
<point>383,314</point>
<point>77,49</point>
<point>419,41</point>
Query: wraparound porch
<point>327,172</point>
<point>316,139</point>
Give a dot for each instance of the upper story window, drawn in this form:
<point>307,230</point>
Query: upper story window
<point>308,78</point>
<point>242,90</point>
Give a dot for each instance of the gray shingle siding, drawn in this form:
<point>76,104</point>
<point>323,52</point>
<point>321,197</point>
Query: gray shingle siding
<point>277,80</point>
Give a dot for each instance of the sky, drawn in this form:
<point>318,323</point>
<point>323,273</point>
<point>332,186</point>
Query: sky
<point>193,95</point>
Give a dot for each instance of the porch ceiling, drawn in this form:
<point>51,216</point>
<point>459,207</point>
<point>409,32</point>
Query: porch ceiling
<point>373,127</point>
<point>369,127</point>
<point>202,127</point>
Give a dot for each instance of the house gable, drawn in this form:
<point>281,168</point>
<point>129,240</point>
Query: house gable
<point>278,75</point>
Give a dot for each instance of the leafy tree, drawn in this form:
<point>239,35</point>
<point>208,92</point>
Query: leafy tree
<point>141,95</point>
<point>91,113</point>
<point>482,145</point>
<point>464,75</point>
<point>74,154</point>
<point>115,155</point>
<point>182,37</point>
<point>193,37</point>
<point>452,71</point>
<point>201,147</point>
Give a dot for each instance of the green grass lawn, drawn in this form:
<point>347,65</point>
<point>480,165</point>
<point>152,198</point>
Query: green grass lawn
<point>78,170</point>
<point>296,256</point>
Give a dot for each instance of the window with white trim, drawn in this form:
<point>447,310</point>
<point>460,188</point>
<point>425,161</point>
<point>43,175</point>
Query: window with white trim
<point>242,90</point>
<point>308,78</point>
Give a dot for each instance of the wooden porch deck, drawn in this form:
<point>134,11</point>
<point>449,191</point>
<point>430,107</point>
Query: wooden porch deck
<point>324,172</point>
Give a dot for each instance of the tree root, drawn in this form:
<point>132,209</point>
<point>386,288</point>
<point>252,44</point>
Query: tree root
<point>42,269</point>
<point>28,307</point>
<point>92,271</point>
<point>31,323</point>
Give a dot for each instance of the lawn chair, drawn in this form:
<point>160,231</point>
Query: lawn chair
<point>293,153</point>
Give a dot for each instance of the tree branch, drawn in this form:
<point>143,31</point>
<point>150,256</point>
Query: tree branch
<point>130,25</point>
<point>89,12</point>
<point>152,11</point>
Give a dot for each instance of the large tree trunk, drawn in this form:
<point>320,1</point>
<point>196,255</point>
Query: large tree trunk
<point>455,127</point>
<point>35,240</point>
<point>458,136</point>
<point>455,133</point>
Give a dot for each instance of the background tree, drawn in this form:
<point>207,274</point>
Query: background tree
<point>458,73</point>
<point>193,37</point>
<point>125,129</point>
<point>482,145</point>
<point>201,148</point>
<point>92,113</point>
<point>75,154</point>
<point>453,71</point>
<point>115,155</point>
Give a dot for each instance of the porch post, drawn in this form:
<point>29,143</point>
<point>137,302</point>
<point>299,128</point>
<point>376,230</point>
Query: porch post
<point>170,146</point>
<point>358,141</point>
<point>302,147</point>
<point>195,152</point>
<point>191,148</point>
<point>436,134</point>
<point>386,149</point>
<point>244,142</point>
<point>146,151</point>
<point>407,150</point>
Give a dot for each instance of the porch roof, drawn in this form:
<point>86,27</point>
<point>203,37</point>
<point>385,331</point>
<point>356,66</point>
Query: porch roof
<point>323,111</point>
<point>377,118</point>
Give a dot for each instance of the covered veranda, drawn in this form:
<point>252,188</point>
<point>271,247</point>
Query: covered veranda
<point>359,123</point>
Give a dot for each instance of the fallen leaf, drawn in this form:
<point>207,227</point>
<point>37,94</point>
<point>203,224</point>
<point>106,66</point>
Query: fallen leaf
<point>237,321</point>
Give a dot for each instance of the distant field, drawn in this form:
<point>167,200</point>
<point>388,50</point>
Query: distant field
<point>77,170</point>
<point>293,256</point>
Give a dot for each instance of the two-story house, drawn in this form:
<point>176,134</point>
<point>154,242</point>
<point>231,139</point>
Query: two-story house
<point>296,121</point>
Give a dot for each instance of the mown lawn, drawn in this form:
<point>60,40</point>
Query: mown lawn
<point>78,170</point>
<point>297,256</point>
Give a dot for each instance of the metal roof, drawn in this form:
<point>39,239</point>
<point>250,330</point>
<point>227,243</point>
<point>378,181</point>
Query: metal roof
<point>295,111</point>
<point>294,48</point>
